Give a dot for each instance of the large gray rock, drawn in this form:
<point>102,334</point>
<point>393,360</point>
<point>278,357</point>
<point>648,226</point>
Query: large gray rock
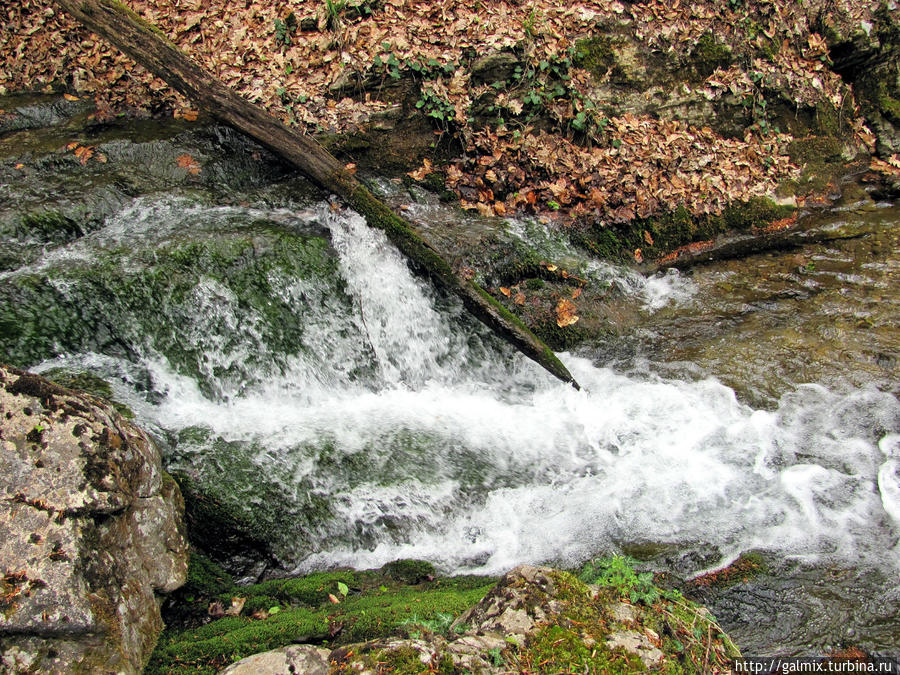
<point>90,530</point>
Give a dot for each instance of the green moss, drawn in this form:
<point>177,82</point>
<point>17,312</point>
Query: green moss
<point>376,606</point>
<point>709,54</point>
<point>576,641</point>
<point>49,226</point>
<point>410,571</point>
<point>205,578</point>
<point>815,149</point>
<point>595,55</point>
<point>671,230</point>
<point>90,383</point>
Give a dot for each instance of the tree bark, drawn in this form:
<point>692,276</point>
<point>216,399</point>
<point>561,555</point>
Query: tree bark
<point>150,48</point>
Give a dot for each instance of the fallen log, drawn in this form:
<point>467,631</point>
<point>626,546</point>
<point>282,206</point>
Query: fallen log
<point>147,45</point>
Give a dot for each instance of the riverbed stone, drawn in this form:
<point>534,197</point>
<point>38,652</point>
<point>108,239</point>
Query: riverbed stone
<point>90,531</point>
<point>304,659</point>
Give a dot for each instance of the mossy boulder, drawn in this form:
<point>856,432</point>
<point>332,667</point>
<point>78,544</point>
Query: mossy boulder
<point>90,531</point>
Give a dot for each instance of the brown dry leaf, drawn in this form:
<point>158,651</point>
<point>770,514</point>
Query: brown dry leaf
<point>500,208</point>
<point>190,115</point>
<point>70,97</point>
<point>350,167</point>
<point>188,163</point>
<point>333,599</point>
<point>648,238</point>
<point>84,153</point>
<point>505,291</point>
<point>565,313</point>
<point>520,298</point>
<point>420,173</point>
<point>551,268</point>
<point>20,166</point>
<point>237,605</point>
<point>576,292</point>
<point>72,145</point>
<point>638,255</point>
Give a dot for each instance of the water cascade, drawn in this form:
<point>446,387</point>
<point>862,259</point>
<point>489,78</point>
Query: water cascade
<point>293,363</point>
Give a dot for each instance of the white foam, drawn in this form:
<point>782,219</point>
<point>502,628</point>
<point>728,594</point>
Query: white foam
<point>479,460</point>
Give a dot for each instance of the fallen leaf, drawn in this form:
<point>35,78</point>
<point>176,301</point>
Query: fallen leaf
<point>188,163</point>
<point>20,166</point>
<point>84,153</point>
<point>576,292</point>
<point>638,255</point>
<point>190,115</point>
<point>237,604</point>
<point>350,167</point>
<point>565,313</point>
<point>520,298</point>
<point>648,238</point>
<point>505,291</point>
<point>70,97</point>
<point>72,145</point>
<point>216,610</point>
<point>420,173</point>
<point>333,599</point>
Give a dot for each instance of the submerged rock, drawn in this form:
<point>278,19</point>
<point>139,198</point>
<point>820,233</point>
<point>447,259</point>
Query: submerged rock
<point>90,529</point>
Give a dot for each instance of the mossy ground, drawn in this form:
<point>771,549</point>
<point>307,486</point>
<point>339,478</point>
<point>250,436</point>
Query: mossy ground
<point>576,641</point>
<point>370,605</point>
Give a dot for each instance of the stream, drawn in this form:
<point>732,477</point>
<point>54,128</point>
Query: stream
<point>291,364</point>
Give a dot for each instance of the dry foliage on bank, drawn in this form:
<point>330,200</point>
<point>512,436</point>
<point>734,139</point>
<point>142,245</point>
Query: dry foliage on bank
<point>288,57</point>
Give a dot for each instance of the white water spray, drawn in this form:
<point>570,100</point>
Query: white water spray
<point>468,456</point>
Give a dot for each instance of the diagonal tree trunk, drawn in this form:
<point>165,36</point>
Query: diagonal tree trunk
<point>149,47</point>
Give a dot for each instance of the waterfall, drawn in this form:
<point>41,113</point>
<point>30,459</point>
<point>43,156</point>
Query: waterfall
<point>387,424</point>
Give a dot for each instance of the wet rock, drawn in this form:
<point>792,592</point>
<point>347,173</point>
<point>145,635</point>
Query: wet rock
<point>90,530</point>
<point>867,55</point>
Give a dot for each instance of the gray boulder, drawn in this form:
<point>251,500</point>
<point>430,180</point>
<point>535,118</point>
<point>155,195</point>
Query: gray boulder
<point>90,530</point>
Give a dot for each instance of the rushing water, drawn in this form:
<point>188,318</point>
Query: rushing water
<point>292,366</point>
<point>451,449</point>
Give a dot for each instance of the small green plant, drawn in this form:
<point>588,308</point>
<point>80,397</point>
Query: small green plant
<point>284,30</point>
<point>437,107</point>
<point>553,204</point>
<point>440,624</point>
<point>529,24</point>
<point>618,573</point>
<point>333,11</point>
<point>496,655</point>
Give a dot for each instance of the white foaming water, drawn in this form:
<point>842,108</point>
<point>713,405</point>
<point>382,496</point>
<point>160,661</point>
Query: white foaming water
<point>480,467</point>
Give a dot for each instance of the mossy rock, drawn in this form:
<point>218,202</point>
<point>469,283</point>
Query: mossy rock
<point>89,383</point>
<point>671,230</point>
<point>708,55</point>
<point>303,609</point>
<point>410,571</point>
<point>594,54</point>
